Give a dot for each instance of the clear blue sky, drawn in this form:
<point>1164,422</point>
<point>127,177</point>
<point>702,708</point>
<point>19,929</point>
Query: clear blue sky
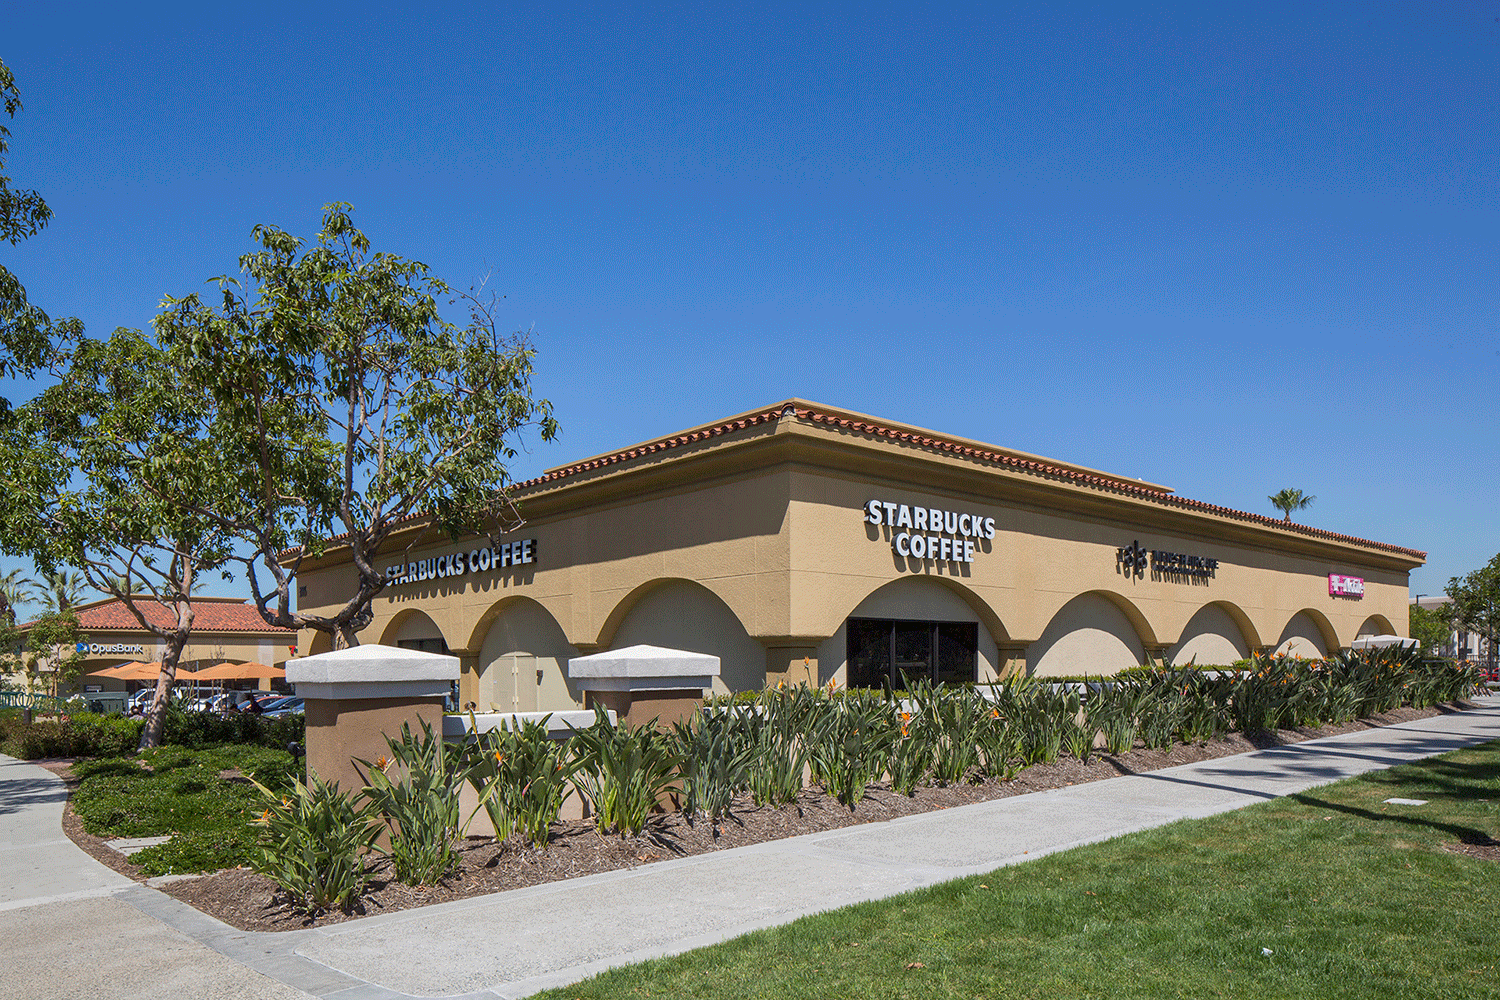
<point>1226,248</point>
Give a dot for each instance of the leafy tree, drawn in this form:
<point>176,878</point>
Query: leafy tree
<point>100,472</point>
<point>1289,500</point>
<point>1429,626</point>
<point>44,651</point>
<point>1474,603</point>
<point>25,331</point>
<point>342,403</point>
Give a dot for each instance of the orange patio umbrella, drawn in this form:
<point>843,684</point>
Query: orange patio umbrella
<point>238,672</point>
<point>133,671</point>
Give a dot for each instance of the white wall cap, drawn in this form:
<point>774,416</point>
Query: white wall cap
<point>372,664</point>
<point>644,661</point>
<point>456,726</point>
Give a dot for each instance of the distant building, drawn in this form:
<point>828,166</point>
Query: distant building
<point>225,629</point>
<point>1460,645</point>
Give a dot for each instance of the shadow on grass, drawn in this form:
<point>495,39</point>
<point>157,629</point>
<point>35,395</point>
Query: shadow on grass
<point>1464,834</point>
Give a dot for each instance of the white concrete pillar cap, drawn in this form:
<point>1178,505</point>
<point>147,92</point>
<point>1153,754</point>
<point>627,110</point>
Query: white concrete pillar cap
<point>644,668</point>
<point>373,671</point>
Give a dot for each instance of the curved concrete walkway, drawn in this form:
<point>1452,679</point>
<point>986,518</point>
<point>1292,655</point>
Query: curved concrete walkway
<point>514,943</point>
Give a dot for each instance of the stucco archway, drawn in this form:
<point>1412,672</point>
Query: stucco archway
<point>918,598</point>
<point>414,630</point>
<point>1376,625</point>
<point>522,662</point>
<point>1309,634</point>
<point>684,614</point>
<point>1218,634</point>
<point>1099,632</point>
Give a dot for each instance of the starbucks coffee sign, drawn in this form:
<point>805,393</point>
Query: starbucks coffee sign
<point>521,552</point>
<point>930,532</point>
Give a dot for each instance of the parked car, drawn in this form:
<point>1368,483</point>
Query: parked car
<point>291,706</point>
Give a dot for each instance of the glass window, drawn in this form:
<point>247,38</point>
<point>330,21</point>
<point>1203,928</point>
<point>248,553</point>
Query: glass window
<point>957,652</point>
<point>869,652</point>
<point>883,651</point>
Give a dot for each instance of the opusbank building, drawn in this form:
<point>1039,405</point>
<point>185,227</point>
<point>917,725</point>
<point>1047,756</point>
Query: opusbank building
<point>806,543</point>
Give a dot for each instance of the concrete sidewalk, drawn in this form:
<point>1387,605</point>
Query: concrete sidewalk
<point>515,943</point>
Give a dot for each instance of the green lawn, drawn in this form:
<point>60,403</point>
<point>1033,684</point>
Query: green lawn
<point>1353,897</point>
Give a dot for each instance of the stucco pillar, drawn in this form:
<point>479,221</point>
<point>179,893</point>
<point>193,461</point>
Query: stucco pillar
<point>1012,657</point>
<point>792,662</point>
<point>355,697</point>
<point>641,683</point>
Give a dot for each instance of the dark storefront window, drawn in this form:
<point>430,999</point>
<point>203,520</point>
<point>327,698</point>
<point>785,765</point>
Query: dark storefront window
<point>882,650</point>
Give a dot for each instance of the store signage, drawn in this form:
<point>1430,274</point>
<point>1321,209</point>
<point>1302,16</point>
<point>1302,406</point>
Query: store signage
<point>1133,560</point>
<point>1345,586</point>
<point>482,560</point>
<point>108,648</point>
<point>931,532</point>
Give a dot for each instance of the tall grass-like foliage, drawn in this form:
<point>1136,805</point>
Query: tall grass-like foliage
<point>416,791</point>
<point>315,847</point>
<point>522,777</point>
<point>623,771</point>
<point>779,718</point>
<point>715,750</point>
<point>850,742</point>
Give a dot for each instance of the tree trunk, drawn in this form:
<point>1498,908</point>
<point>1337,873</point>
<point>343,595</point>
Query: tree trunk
<point>156,715</point>
<point>345,637</point>
<point>156,718</point>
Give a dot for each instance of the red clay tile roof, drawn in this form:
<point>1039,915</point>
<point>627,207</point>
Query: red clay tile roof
<point>1027,466</point>
<point>942,444</point>
<point>208,616</point>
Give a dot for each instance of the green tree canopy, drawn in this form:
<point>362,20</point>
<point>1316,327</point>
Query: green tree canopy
<point>341,406</point>
<point>26,332</point>
<point>103,472</point>
<point>1474,603</point>
<point>1429,626</point>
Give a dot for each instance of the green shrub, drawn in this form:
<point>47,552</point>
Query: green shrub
<point>201,851</point>
<point>416,791</point>
<point>522,779</point>
<point>315,846</point>
<point>623,772</point>
<point>715,751</point>
<point>850,741</point>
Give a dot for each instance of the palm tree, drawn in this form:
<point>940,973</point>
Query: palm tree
<point>61,589</point>
<point>1289,500</point>
<point>14,589</point>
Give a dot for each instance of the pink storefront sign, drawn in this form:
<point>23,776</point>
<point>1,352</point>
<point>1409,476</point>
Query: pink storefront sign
<point>1345,586</point>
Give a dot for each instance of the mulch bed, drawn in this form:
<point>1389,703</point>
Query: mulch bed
<point>250,902</point>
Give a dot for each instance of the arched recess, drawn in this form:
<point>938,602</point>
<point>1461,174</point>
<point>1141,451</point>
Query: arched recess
<point>1308,634</point>
<point>523,660</point>
<point>1375,625</point>
<point>411,629</point>
<point>917,598</point>
<point>322,642</point>
<point>1217,635</point>
<point>1099,632</point>
<point>683,614</point>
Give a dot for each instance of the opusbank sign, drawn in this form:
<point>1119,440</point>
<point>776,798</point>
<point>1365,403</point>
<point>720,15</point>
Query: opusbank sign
<point>518,553</point>
<point>109,648</point>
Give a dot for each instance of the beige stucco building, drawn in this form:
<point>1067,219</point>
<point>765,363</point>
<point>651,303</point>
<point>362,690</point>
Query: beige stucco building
<point>804,542</point>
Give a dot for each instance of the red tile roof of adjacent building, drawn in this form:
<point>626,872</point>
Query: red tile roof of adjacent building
<point>209,615</point>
